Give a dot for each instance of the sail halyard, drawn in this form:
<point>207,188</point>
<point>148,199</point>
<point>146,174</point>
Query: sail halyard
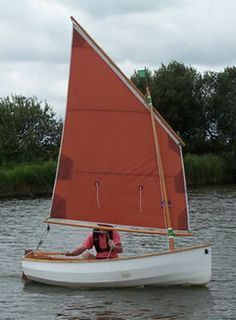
<point>90,120</point>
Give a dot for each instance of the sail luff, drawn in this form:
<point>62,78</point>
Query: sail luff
<point>62,138</point>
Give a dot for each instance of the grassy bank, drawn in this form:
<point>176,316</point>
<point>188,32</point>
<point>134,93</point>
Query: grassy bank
<point>38,179</point>
<point>27,180</point>
<point>209,169</point>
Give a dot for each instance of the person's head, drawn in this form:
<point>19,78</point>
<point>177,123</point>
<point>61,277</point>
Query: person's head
<point>98,230</point>
<point>104,225</point>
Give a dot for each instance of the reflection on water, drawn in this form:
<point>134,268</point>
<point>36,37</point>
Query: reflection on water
<point>212,214</point>
<point>136,303</point>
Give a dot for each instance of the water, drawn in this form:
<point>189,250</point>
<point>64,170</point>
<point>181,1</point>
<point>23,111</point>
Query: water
<point>212,216</point>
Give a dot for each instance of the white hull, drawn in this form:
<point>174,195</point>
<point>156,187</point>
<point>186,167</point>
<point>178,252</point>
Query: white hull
<point>187,266</point>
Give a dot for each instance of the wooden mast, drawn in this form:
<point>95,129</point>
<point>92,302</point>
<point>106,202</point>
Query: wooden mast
<point>164,193</point>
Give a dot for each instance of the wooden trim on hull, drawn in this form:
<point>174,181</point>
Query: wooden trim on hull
<point>50,256</point>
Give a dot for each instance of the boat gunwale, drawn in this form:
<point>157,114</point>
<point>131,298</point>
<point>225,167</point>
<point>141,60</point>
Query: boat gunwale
<point>51,259</point>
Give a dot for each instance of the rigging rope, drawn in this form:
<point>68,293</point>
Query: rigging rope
<point>42,239</point>
<point>97,194</point>
<point>140,198</point>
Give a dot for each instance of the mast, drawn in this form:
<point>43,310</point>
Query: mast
<point>166,209</point>
<point>164,193</point>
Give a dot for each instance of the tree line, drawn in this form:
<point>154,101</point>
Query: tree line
<point>29,131</point>
<point>201,108</point>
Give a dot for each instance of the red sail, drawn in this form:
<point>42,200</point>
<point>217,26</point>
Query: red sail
<point>107,167</point>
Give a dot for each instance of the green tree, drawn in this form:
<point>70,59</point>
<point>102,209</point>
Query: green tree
<point>176,95</point>
<point>224,106</point>
<point>200,108</point>
<point>29,130</point>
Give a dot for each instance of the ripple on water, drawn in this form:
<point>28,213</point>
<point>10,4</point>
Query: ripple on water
<point>213,216</point>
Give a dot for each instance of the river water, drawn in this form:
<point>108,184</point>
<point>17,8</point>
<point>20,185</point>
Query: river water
<point>212,213</point>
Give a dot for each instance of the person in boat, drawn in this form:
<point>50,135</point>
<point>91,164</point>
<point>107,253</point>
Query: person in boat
<point>107,244</point>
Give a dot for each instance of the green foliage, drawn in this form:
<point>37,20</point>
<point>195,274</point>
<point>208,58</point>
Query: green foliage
<point>223,105</point>
<point>176,95</point>
<point>28,179</point>
<point>36,179</point>
<point>176,98</point>
<point>29,131</point>
<point>207,169</point>
<point>200,108</point>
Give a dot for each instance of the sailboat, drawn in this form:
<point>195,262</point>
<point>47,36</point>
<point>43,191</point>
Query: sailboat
<point>120,167</point>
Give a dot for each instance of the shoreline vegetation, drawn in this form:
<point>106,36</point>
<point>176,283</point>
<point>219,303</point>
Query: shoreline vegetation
<point>201,108</point>
<point>29,180</point>
<point>37,179</point>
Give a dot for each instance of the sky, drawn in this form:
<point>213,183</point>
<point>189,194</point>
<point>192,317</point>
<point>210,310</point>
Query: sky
<point>35,39</point>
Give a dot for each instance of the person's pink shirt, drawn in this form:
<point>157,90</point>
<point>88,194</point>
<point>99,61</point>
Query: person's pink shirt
<point>88,244</point>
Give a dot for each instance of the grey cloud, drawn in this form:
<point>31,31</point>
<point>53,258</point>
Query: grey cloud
<point>196,35</point>
<point>44,80</point>
<point>28,34</point>
<point>108,8</point>
<point>35,38</point>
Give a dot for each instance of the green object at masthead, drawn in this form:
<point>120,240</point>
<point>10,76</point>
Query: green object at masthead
<point>142,73</point>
